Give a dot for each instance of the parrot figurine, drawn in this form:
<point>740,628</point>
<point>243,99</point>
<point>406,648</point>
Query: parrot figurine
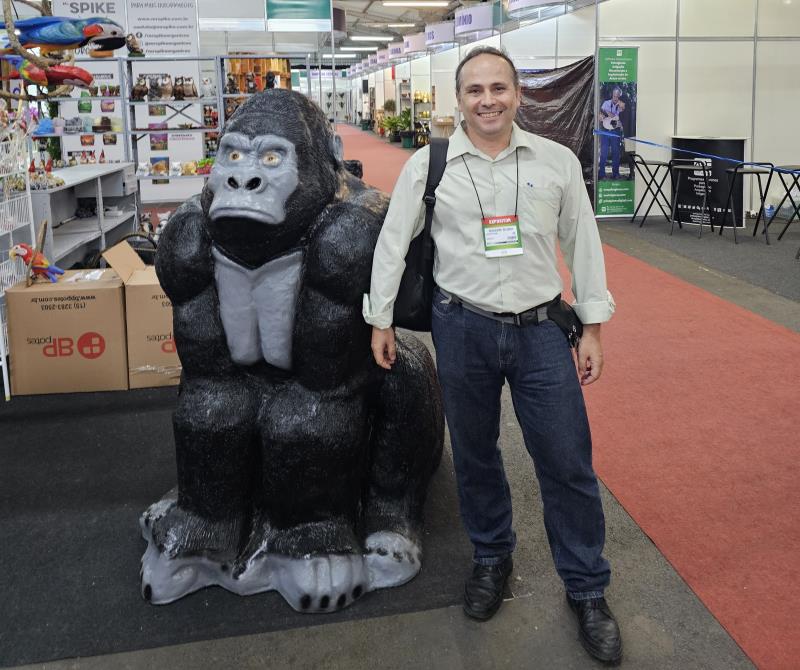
<point>57,33</point>
<point>39,265</point>
<point>56,75</point>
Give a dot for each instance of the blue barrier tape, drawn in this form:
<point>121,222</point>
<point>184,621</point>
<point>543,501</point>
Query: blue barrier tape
<point>687,151</point>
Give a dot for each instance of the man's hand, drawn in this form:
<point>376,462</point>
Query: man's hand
<point>383,347</point>
<point>590,354</point>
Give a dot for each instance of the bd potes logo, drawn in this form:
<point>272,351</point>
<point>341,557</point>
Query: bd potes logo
<point>165,341</point>
<point>90,345</point>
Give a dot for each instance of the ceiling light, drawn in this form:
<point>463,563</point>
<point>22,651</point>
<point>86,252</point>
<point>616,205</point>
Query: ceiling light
<point>400,25</point>
<point>359,48</point>
<point>371,38</point>
<point>414,3</point>
<point>232,25</point>
<point>340,56</point>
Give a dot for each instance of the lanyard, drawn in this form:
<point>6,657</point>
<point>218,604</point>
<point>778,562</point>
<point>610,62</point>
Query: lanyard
<point>516,198</point>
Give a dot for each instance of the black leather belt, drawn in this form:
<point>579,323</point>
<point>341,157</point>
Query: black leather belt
<point>530,317</point>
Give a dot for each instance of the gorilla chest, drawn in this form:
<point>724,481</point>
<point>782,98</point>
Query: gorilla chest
<point>257,308</point>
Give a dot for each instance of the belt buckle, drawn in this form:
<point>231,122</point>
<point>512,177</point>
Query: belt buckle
<point>518,320</point>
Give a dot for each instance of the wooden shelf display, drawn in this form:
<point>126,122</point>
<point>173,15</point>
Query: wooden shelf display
<point>238,68</point>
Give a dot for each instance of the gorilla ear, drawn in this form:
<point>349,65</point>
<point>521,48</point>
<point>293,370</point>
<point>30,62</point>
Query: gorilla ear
<point>337,149</point>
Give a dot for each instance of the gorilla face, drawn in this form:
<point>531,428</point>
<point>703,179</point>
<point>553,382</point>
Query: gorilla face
<point>253,178</point>
<point>276,170</point>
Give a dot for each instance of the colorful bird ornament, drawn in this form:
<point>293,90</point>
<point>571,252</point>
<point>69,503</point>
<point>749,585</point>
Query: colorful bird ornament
<point>55,75</point>
<point>38,264</point>
<point>57,33</point>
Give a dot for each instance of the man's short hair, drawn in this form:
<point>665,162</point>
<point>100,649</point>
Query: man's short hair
<point>491,51</point>
<point>616,89</point>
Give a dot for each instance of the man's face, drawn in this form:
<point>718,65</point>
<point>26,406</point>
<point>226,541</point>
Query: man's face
<point>615,95</point>
<point>487,98</point>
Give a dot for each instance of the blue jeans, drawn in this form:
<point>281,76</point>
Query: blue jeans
<point>606,143</point>
<point>474,356</point>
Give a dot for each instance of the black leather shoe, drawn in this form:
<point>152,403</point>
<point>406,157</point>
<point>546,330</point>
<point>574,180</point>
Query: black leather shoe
<point>483,591</point>
<point>599,629</point>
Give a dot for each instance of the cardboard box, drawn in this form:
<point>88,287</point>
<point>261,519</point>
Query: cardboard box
<point>152,358</point>
<point>68,336</point>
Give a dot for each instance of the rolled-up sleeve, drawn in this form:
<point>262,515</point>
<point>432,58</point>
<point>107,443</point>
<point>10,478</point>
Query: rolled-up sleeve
<point>583,252</point>
<point>403,222</point>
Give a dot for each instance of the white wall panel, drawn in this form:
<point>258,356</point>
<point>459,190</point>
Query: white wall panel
<point>576,33</point>
<point>443,79</point>
<point>777,18</point>
<point>640,18</point>
<point>777,102</point>
<point>721,18</point>
<point>715,88</point>
<point>528,45</point>
<point>421,66</point>
<point>493,41</point>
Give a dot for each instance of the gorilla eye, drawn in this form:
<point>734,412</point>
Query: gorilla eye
<point>271,158</point>
<point>235,156</point>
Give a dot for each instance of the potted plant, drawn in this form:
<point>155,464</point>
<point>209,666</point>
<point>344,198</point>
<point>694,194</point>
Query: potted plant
<point>389,106</point>
<point>393,128</point>
<point>404,127</point>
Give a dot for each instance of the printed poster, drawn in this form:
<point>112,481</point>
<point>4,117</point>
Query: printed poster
<point>616,120</point>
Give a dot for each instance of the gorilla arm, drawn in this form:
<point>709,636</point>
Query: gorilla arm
<point>331,338</point>
<point>186,272</point>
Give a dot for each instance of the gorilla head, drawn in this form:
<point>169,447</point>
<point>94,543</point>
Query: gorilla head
<point>277,167</point>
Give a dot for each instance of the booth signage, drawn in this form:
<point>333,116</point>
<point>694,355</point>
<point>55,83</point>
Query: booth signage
<point>373,59</point>
<point>414,43</point>
<point>298,16</point>
<point>616,120</point>
<point>383,56</point>
<point>113,9</point>
<point>474,19</point>
<point>395,50</point>
<point>439,33</point>
<point>165,27</point>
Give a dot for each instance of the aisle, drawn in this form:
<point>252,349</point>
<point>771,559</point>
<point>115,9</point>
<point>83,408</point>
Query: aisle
<point>695,433</point>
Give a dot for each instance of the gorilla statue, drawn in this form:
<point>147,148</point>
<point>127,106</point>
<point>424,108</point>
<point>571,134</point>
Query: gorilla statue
<point>302,465</point>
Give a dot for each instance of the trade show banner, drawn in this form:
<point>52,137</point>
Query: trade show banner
<point>616,120</point>
<point>557,104</point>
<point>298,15</point>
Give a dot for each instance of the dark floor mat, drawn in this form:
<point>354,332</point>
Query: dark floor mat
<point>76,471</point>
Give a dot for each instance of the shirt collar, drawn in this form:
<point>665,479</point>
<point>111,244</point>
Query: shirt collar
<point>461,144</point>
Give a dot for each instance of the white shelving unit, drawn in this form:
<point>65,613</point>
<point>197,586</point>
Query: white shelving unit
<point>69,238</point>
<point>16,227</point>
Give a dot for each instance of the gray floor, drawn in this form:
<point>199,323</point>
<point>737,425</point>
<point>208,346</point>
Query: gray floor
<point>664,625</point>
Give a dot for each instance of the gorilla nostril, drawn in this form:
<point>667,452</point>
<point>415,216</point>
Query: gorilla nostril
<point>232,182</point>
<point>253,184</point>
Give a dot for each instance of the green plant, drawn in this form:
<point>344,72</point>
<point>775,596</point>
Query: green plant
<point>404,120</point>
<point>389,106</point>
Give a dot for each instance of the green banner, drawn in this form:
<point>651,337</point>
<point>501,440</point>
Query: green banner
<point>298,15</point>
<point>616,120</point>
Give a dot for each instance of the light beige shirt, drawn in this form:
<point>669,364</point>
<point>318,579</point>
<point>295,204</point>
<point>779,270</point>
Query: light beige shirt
<point>553,207</point>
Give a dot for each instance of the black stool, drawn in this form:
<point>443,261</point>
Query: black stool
<point>652,184</point>
<point>793,171</point>
<point>677,168</point>
<point>743,170</point>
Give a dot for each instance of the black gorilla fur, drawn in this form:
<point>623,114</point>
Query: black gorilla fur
<point>312,460</point>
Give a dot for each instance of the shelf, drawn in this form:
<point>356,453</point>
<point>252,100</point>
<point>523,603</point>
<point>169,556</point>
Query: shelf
<point>83,132</point>
<point>151,131</point>
<point>183,176</point>
<point>85,97</point>
<point>168,103</point>
<point>71,236</point>
<point>237,95</point>
<point>81,174</point>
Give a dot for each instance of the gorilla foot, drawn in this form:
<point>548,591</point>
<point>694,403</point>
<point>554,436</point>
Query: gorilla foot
<point>392,559</point>
<point>319,584</point>
<point>185,552</point>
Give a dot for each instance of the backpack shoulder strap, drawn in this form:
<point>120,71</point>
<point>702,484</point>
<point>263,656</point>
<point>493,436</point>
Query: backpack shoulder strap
<point>436,166</point>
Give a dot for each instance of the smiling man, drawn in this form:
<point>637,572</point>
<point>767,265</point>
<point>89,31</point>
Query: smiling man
<point>506,201</point>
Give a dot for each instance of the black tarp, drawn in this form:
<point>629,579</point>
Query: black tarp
<point>558,104</point>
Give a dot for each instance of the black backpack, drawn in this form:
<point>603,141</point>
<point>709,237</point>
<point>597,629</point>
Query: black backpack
<point>412,307</point>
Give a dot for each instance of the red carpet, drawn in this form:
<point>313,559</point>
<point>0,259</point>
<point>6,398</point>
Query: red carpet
<point>695,424</point>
